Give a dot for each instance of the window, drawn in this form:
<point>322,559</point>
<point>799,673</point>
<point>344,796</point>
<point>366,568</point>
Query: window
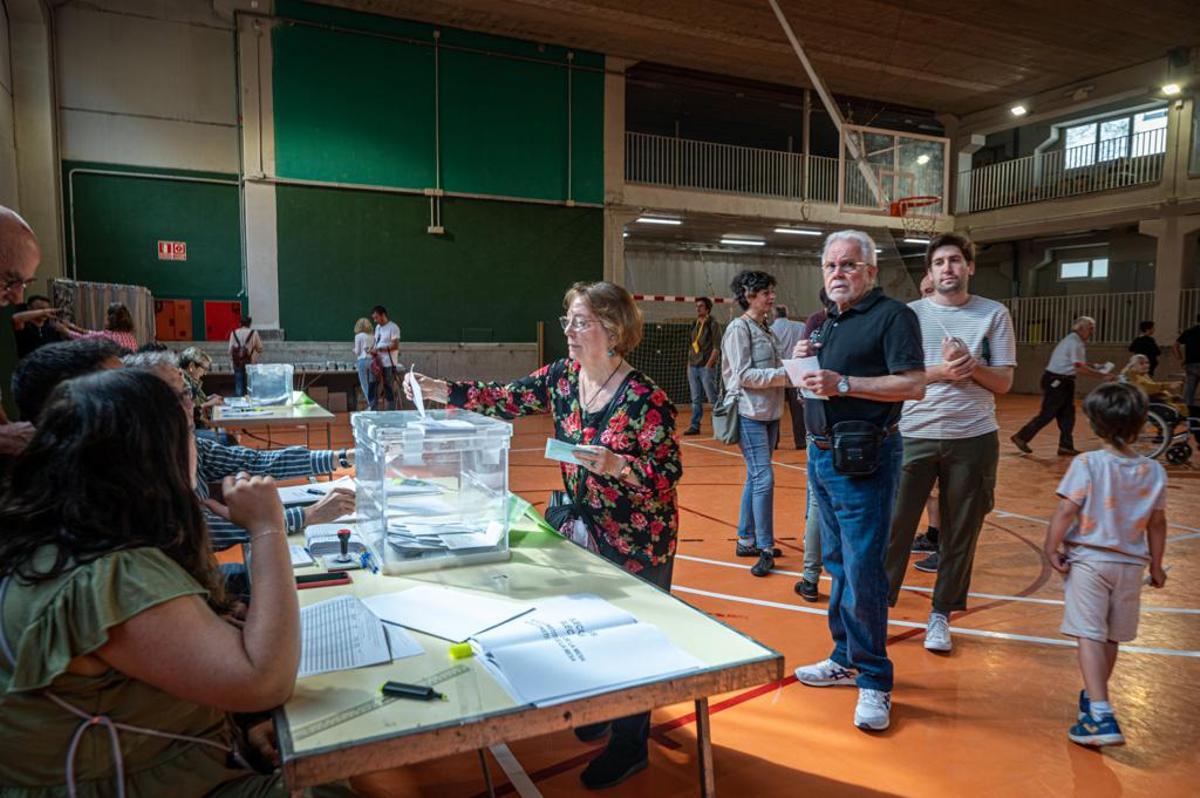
<point>1090,269</point>
<point>1135,135</point>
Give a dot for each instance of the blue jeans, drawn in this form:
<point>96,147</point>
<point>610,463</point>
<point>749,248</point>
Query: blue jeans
<point>702,381</point>
<point>239,383</point>
<point>389,373</point>
<point>364,381</point>
<point>756,525</point>
<point>812,536</point>
<point>856,519</point>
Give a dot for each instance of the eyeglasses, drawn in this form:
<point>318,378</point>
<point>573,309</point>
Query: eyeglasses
<point>847,266</point>
<point>576,324</point>
<point>13,283</point>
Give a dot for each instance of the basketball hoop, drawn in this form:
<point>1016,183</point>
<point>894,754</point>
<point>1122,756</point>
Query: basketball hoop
<point>917,215</point>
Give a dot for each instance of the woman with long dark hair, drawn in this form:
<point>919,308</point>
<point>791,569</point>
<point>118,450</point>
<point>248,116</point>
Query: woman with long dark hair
<point>117,667</point>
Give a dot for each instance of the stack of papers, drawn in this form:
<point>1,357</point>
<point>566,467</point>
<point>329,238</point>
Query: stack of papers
<point>340,634</point>
<point>312,492</point>
<point>450,614</point>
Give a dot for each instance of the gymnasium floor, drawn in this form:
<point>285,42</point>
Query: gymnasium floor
<point>990,718</point>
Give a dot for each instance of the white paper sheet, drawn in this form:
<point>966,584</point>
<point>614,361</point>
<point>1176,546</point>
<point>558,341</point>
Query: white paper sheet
<point>410,379</point>
<point>300,556</point>
<point>561,451</point>
<point>312,492</point>
<point>340,634</point>
<point>453,615</point>
<point>582,613</point>
<point>798,367</point>
<point>401,643</point>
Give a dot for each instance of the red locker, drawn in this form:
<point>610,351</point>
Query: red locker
<point>220,319</point>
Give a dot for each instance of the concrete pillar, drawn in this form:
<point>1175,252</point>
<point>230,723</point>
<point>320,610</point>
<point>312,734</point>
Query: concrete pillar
<point>615,220</point>
<point>1175,254</point>
<point>261,239</point>
<point>38,189</point>
<point>614,170</point>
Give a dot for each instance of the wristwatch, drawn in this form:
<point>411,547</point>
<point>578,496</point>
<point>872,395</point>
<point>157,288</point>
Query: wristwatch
<point>843,385</point>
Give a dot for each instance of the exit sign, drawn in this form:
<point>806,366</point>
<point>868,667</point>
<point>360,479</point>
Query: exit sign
<point>172,250</point>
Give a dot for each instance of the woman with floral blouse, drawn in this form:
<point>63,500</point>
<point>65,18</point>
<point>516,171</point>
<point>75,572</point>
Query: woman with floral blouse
<point>624,427</point>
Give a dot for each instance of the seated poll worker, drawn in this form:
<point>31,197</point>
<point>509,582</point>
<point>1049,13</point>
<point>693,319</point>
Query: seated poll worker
<point>871,361</point>
<point>40,372</point>
<point>215,461</point>
<point>622,502</point>
<point>115,658</point>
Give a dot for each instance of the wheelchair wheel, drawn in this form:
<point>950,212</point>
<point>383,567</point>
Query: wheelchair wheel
<point>1154,437</point>
<point>1179,454</point>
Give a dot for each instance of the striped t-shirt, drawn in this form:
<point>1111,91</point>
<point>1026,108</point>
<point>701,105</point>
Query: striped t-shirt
<point>964,408</point>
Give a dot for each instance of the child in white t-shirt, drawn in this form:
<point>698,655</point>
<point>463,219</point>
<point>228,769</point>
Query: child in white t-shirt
<point>1110,523</point>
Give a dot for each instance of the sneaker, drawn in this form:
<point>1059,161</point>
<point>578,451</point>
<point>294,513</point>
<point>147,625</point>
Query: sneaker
<point>1085,705</point>
<point>807,590</point>
<point>937,634</point>
<point>743,550</point>
<point>1096,731</point>
<point>924,543</point>
<point>592,731</point>
<point>874,709</point>
<point>692,431</point>
<point>764,565</point>
<point>1067,451</point>
<point>615,764</point>
<point>929,565</point>
<point>1021,444</point>
<point>826,673</point>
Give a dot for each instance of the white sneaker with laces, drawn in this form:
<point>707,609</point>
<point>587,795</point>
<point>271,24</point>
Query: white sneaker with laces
<point>825,673</point>
<point>874,709</point>
<point>937,633</point>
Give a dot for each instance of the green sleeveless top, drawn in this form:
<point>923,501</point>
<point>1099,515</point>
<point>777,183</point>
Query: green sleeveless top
<point>47,625</point>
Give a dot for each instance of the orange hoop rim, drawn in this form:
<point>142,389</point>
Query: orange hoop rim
<point>901,206</point>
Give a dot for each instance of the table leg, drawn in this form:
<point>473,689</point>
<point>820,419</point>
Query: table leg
<point>708,786</point>
<point>487,774</point>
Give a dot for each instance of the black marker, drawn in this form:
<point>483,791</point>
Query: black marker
<point>315,492</point>
<point>417,692</point>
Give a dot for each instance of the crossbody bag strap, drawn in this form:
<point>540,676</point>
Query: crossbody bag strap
<point>818,420</point>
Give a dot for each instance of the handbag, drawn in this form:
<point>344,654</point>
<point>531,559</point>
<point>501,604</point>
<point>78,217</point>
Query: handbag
<point>725,417</point>
<point>855,446</point>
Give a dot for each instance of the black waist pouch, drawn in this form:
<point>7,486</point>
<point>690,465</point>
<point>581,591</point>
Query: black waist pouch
<point>560,509</point>
<point>856,447</point>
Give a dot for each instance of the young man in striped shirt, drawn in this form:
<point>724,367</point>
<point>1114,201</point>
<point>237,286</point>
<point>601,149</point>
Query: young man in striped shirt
<point>950,436</point>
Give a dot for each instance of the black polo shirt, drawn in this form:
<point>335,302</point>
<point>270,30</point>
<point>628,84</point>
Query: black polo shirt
<point>874,337</point>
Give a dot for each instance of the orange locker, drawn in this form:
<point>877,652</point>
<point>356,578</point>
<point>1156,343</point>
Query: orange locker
<point>173,319</point>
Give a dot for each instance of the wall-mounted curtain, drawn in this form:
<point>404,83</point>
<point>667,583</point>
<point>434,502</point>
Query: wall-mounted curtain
<point>87,304</point>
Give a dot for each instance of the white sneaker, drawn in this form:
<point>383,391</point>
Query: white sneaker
<point>937,634</point>
<point>825,673</point>
<point>874,709</point>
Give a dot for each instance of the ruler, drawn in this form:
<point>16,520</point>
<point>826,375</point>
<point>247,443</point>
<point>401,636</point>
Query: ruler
<point>358,710</point>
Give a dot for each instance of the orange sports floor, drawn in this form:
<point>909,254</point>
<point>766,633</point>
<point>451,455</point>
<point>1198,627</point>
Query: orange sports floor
<point>990,719</point>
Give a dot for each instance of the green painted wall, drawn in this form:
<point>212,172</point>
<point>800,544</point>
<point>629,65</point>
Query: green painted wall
<point>117,222</point>
<point>503,266</point>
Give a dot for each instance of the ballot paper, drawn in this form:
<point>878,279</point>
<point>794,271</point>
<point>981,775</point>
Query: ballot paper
<point>338,635</point>
<point>561,451</point>
<point>312,492</point>
<point>796,369</point>
<point>300,556</point>
<point>410,379</point>
<point>453,615</point>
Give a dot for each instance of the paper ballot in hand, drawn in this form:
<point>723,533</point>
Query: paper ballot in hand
<point>410,379</point>
<point>561,451</point>
<point>797,368</point>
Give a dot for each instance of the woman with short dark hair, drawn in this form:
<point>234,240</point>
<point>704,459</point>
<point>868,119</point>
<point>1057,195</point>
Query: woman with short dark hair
<point>118,327</point>
<point>751,368</point>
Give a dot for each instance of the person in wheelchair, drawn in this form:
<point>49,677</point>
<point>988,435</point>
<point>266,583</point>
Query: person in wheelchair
<point>1166,403</point>
<point>1137,373</point>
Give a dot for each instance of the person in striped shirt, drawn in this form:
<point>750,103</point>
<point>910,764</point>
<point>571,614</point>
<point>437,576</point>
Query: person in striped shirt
<point>950,436</point>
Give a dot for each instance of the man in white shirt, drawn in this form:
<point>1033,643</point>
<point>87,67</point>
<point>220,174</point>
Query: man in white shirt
<point>950,436</point>
<point>386,352</point>
<point>789,333</point>
<point>244,348</point>
<point>1058,389</point>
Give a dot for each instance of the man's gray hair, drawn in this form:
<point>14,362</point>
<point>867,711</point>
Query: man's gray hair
<point>866,244</point>
<point>1083,321</point>
<point>151,361</point>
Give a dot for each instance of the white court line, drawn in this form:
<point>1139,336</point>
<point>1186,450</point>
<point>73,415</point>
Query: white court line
<point>915,589</point>
<point>516,774</point>
<point>999,513</point>
<point>1049,641</point>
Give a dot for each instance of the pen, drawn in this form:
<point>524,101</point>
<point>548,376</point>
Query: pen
<point>315,492</point>
<point>367,560</point>
<point>416,692</point>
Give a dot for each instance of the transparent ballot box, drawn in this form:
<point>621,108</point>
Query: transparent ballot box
<point>270,383</point>
<point>432,491</point>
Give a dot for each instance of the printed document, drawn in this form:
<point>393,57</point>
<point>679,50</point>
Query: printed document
<point>450,614</point>
<point>796,369</point>
<point>340,634</point>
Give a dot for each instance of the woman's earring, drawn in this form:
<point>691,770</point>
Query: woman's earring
<point>611,353</point>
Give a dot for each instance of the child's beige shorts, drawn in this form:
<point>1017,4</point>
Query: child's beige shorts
<point>1103,600</point>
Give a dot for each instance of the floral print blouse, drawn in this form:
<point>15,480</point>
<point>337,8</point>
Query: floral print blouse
<point>638,522</point>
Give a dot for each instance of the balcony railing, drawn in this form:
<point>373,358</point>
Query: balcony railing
<point>708,166</point>
<point>1189,307</point>
<point>1046,319</point>
<point>1115,163</point>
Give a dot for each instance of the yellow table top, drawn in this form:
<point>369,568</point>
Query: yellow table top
<point>339,710</point>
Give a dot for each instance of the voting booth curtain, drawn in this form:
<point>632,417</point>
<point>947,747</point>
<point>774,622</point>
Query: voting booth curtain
<point>87,304</point>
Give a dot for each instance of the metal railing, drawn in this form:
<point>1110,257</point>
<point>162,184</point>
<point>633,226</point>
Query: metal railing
<point>1189,307</point>
<point>1046,319</point>
<point>1111,164</point>
<point>708,166</point>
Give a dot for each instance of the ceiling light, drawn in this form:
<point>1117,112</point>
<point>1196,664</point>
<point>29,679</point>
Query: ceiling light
<point>658,220</point>
<point>878,250</point>
<point>1018,110</point>
<point>744,242</point>
<point>922,159</point>
<point>916,241</point>
<point>798,231</point>
<point>1171,89</point>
